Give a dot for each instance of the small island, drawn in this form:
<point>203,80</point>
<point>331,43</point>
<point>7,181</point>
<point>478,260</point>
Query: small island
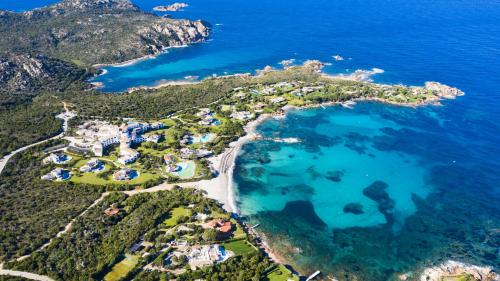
<point>171,8</point>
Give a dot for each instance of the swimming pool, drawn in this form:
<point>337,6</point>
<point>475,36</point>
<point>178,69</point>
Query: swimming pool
<point>187,170</point>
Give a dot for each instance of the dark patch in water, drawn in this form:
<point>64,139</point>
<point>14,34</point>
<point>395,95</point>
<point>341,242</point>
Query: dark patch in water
<point>303,210</point>
<point>313,173</point>
<point>257,171</point>
<point>335,176</point>
<point>278,174</point>
<point>354,208</point>
<point>291,156</point>
<point>376,192</point>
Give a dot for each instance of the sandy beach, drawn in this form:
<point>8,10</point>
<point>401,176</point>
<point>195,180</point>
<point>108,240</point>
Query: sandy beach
<point>221,187</point>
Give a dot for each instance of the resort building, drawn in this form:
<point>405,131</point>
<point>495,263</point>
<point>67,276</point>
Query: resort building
<point>125,174</point>
<point>96,136</point>
<point>57,175</point>
<point>94,165</point>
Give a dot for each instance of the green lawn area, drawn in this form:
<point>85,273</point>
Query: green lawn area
<point>175,214</point>
<point>121,269</point>
<point>239,247</point>
<point>92,178</point>
<point>281,273</point>
<point>238,233</point>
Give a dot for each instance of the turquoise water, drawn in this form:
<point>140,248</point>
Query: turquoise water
<point>203,138</point>
<point>333,172</point>
<point>374,191</point>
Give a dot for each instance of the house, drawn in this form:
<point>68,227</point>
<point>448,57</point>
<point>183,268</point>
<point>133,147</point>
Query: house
<point>57,158</point>
<point>223,227</point>
<point>112,211</point>
<point>168,159</point>
<point>57,175</point>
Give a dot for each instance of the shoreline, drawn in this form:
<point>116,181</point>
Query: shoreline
<point>139,59</point>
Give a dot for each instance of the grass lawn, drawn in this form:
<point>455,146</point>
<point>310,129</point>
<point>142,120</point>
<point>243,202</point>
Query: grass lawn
<point>92,178</point>
<point>175,214</point>
<point>238,233</point>
<point>239,247</point>
<point>281,273</point>
<point>121,269</point>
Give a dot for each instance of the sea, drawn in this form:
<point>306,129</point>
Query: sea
<point>374,191</point>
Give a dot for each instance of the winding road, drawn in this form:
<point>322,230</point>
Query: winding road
<point>66,116</point>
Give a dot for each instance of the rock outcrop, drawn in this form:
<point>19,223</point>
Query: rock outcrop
<point>25,73</point>
<point>459,271</point>
<point>171,8</point>
<point>442,90</point>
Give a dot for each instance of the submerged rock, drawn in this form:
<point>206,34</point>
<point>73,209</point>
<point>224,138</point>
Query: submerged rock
<point>335,176</point>
<point>376,192</point>
<point>354,208</point>
<point>303,210</point>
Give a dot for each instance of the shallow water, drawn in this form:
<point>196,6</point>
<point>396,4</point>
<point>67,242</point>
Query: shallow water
<point>374,191</point>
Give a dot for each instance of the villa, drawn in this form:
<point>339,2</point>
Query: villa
<point>57,175</point>
<point>57,158</point>
<point>201,256</point>
<point>207,117</point>
<point>223,227</point>
<point>242,115</point>
<point>168,159</point>
<point>112,211</point>
<point>94,165</point>
<point>125,174</point>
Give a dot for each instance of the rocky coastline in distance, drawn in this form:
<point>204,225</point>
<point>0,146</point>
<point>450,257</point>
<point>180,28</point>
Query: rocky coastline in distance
<point>171,8</point>
<point>90,32</point>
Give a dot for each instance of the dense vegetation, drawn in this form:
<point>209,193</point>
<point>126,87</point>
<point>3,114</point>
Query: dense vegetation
<point>87,32</point>
<point>248,267</point>
<point>96,241</point>
<point>29,123</point>
<point>33,211</point>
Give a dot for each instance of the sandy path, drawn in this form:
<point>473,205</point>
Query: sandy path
<point>27,275</point>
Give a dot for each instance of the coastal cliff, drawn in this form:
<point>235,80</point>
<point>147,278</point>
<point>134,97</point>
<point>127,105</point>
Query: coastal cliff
<point>90,32</point>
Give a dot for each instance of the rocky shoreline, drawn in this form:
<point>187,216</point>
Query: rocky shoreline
<point>458,271</point>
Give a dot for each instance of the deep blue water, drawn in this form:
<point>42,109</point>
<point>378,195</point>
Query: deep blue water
<point>427,179</point>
